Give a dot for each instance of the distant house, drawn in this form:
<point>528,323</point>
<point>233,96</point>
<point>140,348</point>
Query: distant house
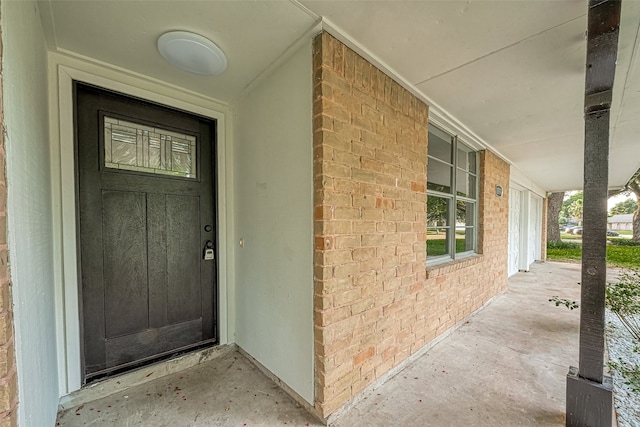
<point>621,222</point>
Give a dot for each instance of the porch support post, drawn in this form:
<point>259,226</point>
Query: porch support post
<point>589,393</point>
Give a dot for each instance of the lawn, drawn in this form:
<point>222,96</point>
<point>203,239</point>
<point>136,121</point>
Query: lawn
<point>437,247</point>
<point>617,256</point>
<point>567,236</point>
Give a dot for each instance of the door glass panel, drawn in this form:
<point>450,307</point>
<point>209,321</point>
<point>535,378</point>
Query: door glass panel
<point>136,147</point>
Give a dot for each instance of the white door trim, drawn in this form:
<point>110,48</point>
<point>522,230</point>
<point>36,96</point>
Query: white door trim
<point>513,194</point>
<point>64,202</point>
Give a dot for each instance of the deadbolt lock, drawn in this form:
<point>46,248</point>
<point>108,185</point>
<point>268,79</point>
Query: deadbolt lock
<point>208,254</point>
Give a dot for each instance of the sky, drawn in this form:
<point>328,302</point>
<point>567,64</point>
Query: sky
<point>619,198</point>
<point>612,200</point>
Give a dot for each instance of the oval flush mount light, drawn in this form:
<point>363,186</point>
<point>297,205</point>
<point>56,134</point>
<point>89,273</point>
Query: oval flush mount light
<point>192,52</point>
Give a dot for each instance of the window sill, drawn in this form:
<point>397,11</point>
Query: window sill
<point>435,270</point>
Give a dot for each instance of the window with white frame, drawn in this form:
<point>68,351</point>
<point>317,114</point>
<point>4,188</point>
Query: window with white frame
<point>452,201</point>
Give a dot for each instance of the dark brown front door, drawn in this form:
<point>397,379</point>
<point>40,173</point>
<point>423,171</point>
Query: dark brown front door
<point>147,230</point>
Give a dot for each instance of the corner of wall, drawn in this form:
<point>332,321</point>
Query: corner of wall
<point>8,375</point>
<point>375,303</point>
<point>273,213</point>
<point>370,145</point>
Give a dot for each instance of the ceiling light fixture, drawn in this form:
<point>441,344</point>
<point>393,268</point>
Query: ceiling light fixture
<point>192,52</point>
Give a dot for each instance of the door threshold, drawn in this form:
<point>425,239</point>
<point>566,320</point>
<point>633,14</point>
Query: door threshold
<point>119,383</point>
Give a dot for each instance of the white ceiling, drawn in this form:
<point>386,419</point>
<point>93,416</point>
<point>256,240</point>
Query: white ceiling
<point>511,71</point>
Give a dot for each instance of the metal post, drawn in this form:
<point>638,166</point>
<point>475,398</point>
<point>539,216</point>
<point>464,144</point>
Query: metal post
<point>589,394</point>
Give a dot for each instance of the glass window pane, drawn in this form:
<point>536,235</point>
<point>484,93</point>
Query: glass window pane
<point>465,226</point>
<point>438,227</point>
<point>438,209</point>
<point>465,184</point>
<point>132,146</point>
<point>437,242</point>
<point>466,158</point>
<point>438,176</point>
<point>465,214</point>
<point>439,144</point>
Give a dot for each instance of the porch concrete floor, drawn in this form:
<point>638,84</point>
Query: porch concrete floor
<point>505,366</point>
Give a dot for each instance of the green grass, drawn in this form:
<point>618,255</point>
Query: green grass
<point>617,256</point>
<point>437,247</point>
<point>623,242</point>
<point>623,256</point>
<point>625,232</point>
<point>567,236</point>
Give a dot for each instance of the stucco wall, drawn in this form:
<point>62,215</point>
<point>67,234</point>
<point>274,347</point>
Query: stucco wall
<point>29,211</point>
<point>376,303</point>
<point>273,217</point>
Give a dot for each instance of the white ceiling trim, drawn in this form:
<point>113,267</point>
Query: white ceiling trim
<point>437,115</point>
<point>289,51</point>
<point>48,24</point>
<point>138,76</point>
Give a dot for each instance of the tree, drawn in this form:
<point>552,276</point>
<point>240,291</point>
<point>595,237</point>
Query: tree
<point>628,206</point>
<point>634,185</point>
<point>570,201</point>
<point>554,205</point>
<point>575,209</point>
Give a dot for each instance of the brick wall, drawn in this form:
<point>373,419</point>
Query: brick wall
<point>375,303</point>
<point>8,378</point>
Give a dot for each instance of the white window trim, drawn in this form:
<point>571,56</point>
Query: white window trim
<point>453,256</point>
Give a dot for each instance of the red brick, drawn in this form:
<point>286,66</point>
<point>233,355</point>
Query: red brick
<point>388,305</point>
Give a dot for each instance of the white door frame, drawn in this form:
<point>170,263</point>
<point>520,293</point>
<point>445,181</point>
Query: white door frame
<point>535,230</point>
<point>64,197</point>
<point>527,202</point>
<point>513,188</point>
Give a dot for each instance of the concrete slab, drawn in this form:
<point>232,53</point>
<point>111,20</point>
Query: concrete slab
<point>505,366</point>
<point>225,391</point>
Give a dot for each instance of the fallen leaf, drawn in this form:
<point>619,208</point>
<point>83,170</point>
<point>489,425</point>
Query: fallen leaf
<point>149,374</point>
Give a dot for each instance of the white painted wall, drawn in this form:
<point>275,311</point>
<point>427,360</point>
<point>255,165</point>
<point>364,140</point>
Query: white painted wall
<point>273,187</point>
<point>29,211</point>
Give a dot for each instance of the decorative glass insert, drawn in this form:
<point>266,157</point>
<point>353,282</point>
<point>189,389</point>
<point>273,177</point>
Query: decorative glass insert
<point>135,147</point>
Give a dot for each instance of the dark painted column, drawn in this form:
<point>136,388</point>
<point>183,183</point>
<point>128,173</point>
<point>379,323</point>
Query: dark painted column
<point>589,395</point>
<point>594,245</point>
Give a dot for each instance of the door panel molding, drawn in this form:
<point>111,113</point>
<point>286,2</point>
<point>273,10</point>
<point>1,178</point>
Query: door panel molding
<point>63,71</point>
<point>114,239</point>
